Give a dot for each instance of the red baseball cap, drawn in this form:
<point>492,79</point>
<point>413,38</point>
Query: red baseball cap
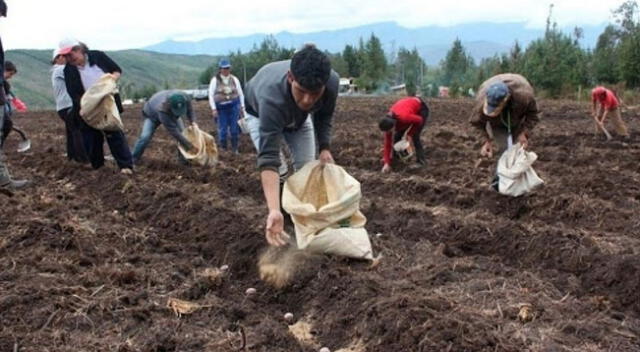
<point>66,45</point>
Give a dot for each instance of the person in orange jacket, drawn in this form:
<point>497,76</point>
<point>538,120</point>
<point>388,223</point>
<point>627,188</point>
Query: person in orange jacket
<point>406,117</point>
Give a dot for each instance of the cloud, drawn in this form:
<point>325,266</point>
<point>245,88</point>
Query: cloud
<point>130,24</point>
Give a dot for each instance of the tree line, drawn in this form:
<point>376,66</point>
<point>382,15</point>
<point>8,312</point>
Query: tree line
<point>556,64</point>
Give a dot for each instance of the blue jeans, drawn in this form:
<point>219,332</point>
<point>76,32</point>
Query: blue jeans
<point>301,143</point>
<point>228,122</point>
<point>146,134</point>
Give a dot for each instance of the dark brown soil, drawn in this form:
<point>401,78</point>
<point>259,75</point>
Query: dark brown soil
<point>89,259</point>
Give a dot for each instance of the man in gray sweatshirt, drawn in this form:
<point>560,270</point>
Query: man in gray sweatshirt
<point>165,107</point>
<point>294,100</point>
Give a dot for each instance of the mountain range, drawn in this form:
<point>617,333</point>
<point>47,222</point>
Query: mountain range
<point>481,39</point>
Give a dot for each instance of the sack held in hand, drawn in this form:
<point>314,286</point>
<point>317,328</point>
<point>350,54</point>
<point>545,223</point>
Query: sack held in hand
<point>98,106</point>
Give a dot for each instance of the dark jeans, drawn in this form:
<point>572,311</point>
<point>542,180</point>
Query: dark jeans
<point>416,142</point>
<point>75,143</point>
<point>228,121</point>
<point>94,140</point>
<point>7,125</point>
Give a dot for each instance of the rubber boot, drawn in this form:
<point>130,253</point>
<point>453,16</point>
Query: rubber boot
<point>6,181</point>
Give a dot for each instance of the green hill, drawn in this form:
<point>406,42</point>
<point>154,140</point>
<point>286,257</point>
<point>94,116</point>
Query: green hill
<point>141,69</point>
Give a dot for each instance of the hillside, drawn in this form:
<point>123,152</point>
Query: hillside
<point>482,39</point>
<point>141,68</point>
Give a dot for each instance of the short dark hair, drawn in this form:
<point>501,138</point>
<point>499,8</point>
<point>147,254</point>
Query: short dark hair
<point>310,67</point>
<point>10,67</point>
<point>387,123</point>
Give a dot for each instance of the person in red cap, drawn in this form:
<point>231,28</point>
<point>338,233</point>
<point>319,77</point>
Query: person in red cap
<point>83,69</point>
<point>407,118</point>
<point>609,106</point>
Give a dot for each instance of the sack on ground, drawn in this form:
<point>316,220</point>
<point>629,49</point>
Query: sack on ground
<point>324,204</point>
<point>207,154</point>
<point>515,173</point>
<point>98,106</point>
<point>404,148</point>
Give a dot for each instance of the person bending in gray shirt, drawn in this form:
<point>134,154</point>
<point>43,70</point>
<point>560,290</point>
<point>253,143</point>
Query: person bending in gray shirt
<point>165,107</point>
<point>294,100</point>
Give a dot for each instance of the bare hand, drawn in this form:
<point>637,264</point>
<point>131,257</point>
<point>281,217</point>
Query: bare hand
<point>523,140</point>
<point>487,149</point>
<point>326,157</point>
<point>275,229</point>
<point>116,75</point>
<point>386,168</point>
<point>214,113</point>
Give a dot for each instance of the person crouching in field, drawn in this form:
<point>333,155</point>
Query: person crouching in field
<point>505,108</point>
<point>165,107</point>
<point>227,104</point>
<point>83,69</point>
<point>292,100</point>
<point>406,118</point>
<point>75,144</point>
<point>609,106</point>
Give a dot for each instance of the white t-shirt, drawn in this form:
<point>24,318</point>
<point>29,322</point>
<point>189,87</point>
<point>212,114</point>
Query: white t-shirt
<point>89,74</point>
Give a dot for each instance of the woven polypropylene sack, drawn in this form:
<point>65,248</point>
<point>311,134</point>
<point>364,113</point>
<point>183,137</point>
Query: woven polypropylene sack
<point>207,154</point>
<point>98,106</point>
<point>515,172</point>
<point>324,204</point>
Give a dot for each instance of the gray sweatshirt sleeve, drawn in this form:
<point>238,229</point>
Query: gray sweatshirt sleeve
<point>322,124</point>
<point>323,118</point>
<point>271,127</point>
<point>174,130</point>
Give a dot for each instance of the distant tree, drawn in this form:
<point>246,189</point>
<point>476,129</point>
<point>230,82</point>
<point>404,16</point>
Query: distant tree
<point>408,68</point>
<point>374,66</point>
<point>629,48</point>
<point>556,62</point>
<point>339,64</point>
<point>605,57</point>
<point>515,58</point>
<point>456,66</point>
<point>246,65</point>
<point>350,56</point>
<point>205,76</point>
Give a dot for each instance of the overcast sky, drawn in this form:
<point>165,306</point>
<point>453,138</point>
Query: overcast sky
<point>123,24</point>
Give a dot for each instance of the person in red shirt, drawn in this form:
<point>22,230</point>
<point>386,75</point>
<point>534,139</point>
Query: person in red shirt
<point>407,115</point>
<point>609,106</point>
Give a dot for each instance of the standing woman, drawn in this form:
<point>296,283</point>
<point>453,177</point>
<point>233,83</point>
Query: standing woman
<point>75,145</point>
<point>83,69</point>
<point>227,104</point>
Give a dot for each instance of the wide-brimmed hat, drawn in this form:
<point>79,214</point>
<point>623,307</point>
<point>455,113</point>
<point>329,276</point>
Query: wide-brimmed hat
<point>496,98</point>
